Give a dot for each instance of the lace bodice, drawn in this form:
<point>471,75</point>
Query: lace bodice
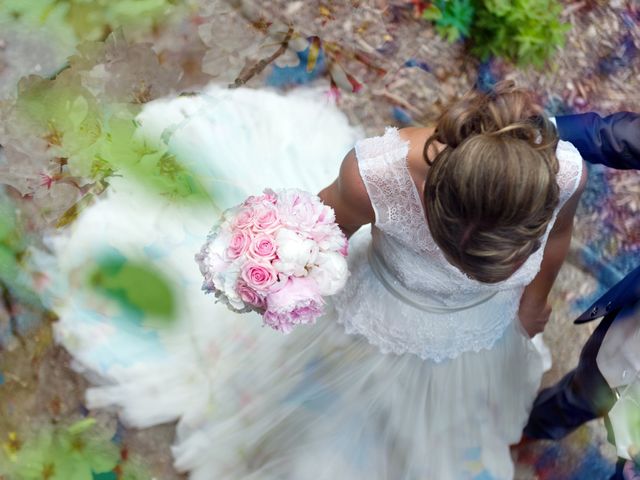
<point>437,311</point>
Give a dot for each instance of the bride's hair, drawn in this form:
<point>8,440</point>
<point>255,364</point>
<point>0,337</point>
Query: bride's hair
<point>491,191</point>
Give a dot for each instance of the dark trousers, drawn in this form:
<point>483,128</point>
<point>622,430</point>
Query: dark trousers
<point>618,473</point>
<point>581,395</point>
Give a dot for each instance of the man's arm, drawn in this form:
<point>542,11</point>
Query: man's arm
<point>613,141</point>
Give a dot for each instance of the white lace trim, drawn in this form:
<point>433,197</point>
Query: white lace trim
<point>384,170</point>
<point>402,238</point>
<point>366,308</point>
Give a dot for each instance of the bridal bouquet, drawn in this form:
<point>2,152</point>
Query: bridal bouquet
<point>278,254</point>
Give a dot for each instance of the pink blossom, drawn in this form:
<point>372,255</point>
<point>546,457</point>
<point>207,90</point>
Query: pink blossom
<point>299,210</point>
<point>344,250</point>
<point>239,244</point>
<point>270,196</point>
<point>330,272</point>
<point>297,302</point>
<point>265,217</point>
<point>327,215</point>
<point>251,201</point>
<point>262,247</point>
<point>279,253</point>
<point>244,218</point>
<point>329,237</point>
<point>249,295</point>
<point>295,252</point>
<point>259,276</point>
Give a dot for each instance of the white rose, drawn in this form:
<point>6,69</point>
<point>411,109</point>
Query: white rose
<point>219,243</point>
<point>331,272</point>
<point>294,253</point>
<point>229,282</point>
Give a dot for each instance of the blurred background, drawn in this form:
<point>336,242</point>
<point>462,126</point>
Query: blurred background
<point>75,73</point>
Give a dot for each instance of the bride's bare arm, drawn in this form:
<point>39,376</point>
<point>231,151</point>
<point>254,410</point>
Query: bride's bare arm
<point>534,308</point>
<point>348,196</point>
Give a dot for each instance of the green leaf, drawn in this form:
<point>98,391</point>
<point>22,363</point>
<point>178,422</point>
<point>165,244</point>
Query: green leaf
<point>432,13</point>
<point>524,31</point>
<point>137,286</point>
<point>81,426</point>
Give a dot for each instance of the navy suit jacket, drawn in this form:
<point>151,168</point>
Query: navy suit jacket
<point>583,393</point>
<point>625,292</point>
<point>613,141</point>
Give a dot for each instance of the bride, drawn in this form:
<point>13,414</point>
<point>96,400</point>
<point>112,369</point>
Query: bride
<point>422,367</point>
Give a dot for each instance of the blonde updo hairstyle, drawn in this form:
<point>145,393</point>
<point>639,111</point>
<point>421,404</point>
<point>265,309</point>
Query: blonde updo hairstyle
<point>491,192</point>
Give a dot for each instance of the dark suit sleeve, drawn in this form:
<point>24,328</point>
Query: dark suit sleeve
<point>613,141</point>
<point>582,395</point>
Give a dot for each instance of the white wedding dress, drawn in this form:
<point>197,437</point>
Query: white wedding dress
<point>416,371</point>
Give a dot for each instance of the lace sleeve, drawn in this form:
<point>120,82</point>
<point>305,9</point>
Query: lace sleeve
<point>383,167</point>
<point>570,171</point>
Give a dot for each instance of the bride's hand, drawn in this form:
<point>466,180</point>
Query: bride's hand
<point>534,317</point>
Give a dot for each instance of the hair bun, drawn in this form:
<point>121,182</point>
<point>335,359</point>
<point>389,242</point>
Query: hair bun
<point>506,110</point>
<point>491,192</point>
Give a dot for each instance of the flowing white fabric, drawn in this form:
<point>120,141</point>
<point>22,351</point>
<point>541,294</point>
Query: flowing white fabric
<point>452,393</point>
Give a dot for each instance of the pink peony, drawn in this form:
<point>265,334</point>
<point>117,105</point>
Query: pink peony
<point>262,248</point>
<point>294,252</point>
<point>327,216</point>
<point>249,295</point>
<point>329,237</point>
<point>259,276</point>
<point>299,210</point>
<point>238,244</point>
<point>297,302</point>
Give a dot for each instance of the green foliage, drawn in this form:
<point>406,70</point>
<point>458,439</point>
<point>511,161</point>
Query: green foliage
<point>139,288</point>
<point>58,453</point>
<point>13,276</point>
<point>524,31</point>
<point>81,451</point>
<point>87,121</point>
<point>80,20</point>
<point>452,18</point>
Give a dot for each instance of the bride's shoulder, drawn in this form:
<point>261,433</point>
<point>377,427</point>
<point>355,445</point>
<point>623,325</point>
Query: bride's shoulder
<point>417,137</point>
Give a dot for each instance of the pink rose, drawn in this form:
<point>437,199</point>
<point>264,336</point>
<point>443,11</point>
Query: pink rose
<point>238,245</point>
<point>262,247</point>
<point>297,302</point>
<point>244,218</point>
<point>270,196</point>
<point>251,201</point>
<point>259,276</point>
<point>249,295</point>
<point>265,217</point>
